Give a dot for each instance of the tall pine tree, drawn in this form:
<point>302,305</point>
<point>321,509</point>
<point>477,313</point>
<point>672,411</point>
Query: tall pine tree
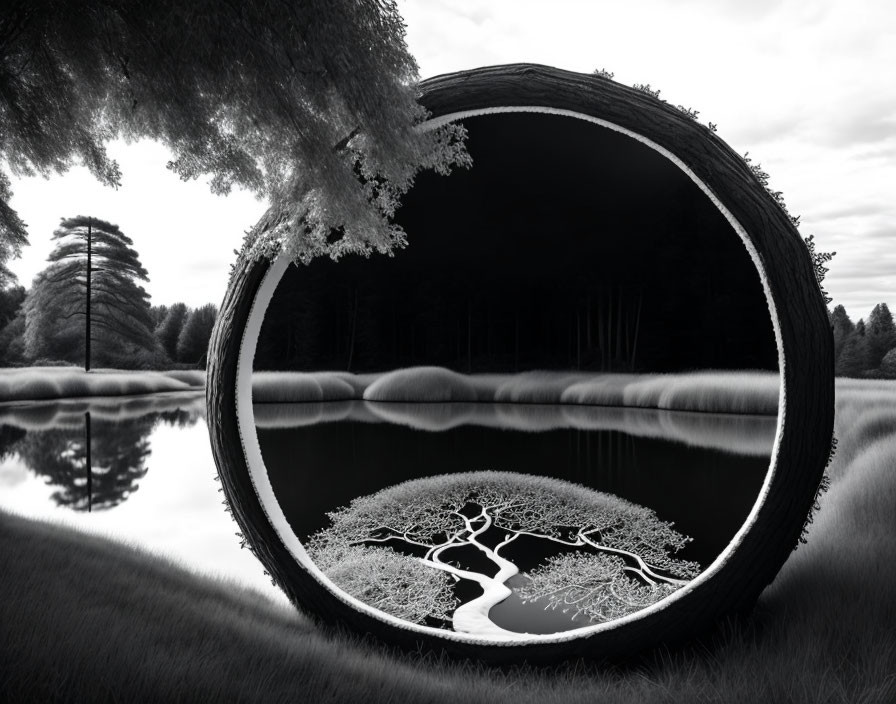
<point>881,333</point>
<point>168,330</point>
<point>853,359</point>
<point>842,328</point>
<point>192,343</point>
<point>87,302</point>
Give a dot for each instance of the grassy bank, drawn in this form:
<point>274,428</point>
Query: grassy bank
<point>86,620</point>
<point>748,392</point>
<point>40,383</point>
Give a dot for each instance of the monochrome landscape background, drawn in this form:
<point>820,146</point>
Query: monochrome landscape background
<point>633,356</point>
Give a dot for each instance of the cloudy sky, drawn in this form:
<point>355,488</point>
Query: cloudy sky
<point>806,87</point>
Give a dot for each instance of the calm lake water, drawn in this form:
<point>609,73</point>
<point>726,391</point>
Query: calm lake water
<point>702,472</point>
<point>151,479</point>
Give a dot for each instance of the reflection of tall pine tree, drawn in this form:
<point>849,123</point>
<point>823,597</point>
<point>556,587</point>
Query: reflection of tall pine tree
<point>101,477</point>
<point>881,334</point>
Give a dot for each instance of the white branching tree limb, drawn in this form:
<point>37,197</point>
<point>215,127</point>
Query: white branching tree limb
<point>593,585</point>
<point>623,550</point>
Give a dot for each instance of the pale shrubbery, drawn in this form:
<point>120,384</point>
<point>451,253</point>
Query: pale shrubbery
<point>42,383</point>
<point>300,387</point>
<point>749,392</point>
<point>421,384</point>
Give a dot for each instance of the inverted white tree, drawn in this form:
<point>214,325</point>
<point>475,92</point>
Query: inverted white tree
<point>398,549</point>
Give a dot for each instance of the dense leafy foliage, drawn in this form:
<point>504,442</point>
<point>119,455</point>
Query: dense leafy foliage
<point>169,328</point>
<point>192,342</point>
<point>864,349</point>
<point>271,97</point>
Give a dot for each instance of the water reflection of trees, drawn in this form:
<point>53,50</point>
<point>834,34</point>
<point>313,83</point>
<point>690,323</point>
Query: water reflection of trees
<point>10,435</point>
<point>94,453</point>
<point>96,466</point>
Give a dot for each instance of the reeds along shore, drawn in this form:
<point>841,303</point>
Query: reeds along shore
<point>85,619</point>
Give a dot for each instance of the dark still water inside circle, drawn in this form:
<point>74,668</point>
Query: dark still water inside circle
<point>319,467</point>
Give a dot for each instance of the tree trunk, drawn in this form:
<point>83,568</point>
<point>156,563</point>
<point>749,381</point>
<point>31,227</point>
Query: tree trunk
<point>87,320</point>
<point>601,342</point>
<point>578,339</point>
<point>353,325</point>
<point>469,336</point>
<point>472,617</point>
<point>619,326</point>
<point>637,329</point>
<point>610,329</point>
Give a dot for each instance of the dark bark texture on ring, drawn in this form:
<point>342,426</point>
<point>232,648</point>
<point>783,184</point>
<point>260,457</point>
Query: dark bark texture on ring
<point>807,350</point>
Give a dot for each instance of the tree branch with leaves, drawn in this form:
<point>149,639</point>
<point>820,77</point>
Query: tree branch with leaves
<point>311,105</point>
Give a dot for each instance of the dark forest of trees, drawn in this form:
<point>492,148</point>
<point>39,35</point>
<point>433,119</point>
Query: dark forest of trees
<point>566,246</point>
<point>865,349</point>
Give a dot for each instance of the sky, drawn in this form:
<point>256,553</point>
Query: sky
<point>806,88</point>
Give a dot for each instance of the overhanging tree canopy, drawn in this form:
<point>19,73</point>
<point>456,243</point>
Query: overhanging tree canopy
<point>311,104</point>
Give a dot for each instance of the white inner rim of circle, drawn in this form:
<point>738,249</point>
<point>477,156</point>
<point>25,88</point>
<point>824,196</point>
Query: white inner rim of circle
<point>275,515</point>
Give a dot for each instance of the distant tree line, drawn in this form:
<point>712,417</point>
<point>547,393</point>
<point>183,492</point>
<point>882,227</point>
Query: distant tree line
<point>865,349</point>
<point>87,307</point>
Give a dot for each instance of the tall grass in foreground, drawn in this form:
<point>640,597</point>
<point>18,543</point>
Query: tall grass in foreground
<point>85,619</point>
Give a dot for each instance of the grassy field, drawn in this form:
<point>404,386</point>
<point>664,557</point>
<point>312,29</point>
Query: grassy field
<point>86,619</point>
<point>750,392</point>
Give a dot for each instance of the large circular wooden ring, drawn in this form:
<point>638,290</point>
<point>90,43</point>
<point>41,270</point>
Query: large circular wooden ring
<point>735,580</point>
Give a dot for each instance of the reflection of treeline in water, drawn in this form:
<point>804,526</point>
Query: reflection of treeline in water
<point>94,458</point>
<point>751,435</point>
